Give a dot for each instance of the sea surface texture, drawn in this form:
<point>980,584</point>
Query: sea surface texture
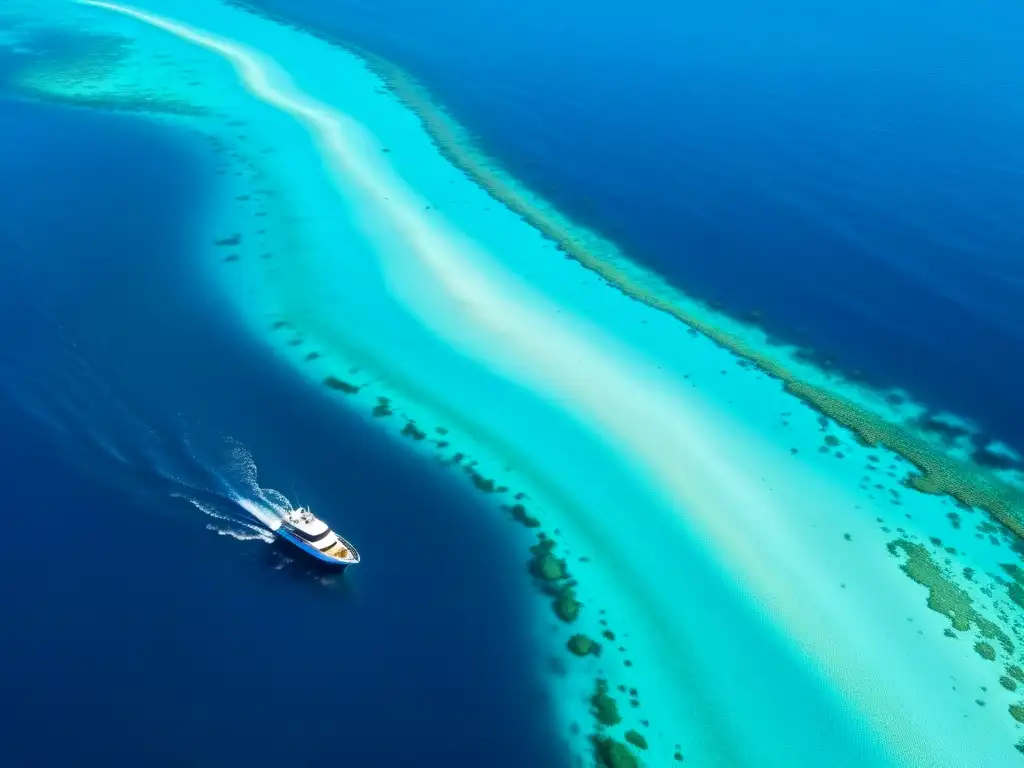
<point>662,362</point>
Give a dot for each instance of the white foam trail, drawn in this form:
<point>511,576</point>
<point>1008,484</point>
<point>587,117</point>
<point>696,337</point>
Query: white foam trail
<point>237,535</point>
<point>248,532</point>
<point>487,312</point>
<point>265,516</point>
<point>236,482</point>
<point>265,504</point>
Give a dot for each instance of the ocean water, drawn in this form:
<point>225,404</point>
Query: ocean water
<point>279,266</point>
<point>848,173</point>
<point>139,628</point>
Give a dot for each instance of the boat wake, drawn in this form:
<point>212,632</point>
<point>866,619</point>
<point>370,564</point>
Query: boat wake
<point>110,418</point>
<point>245,533</point>
<point>104,415</point>
<point>168,464</point>
<point>224,487</point>
<point>239,482</point>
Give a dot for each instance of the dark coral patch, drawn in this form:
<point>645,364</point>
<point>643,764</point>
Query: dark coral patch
<point>986,457</point>
<point>613,754</point>
<point>581,645</point>
<point>411,430</point>
<point>566,606</point>
<point>985,650</point>
<point>482,483</point>
<point>544,565</point>
<point>636,739</point>
<point>603,706</point>
<point>521,516</point>
<point>342,386</point>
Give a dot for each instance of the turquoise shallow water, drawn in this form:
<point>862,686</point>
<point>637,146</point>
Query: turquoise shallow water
<point>727,545</point>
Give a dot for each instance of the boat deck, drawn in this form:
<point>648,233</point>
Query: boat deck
<point>342,551</point>
<point>311,533</point>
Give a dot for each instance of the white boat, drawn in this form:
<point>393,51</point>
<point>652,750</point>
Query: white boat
<point>314,537</point>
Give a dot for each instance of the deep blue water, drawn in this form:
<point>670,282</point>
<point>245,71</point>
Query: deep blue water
<point>132,633</point>
<point>851,172</point>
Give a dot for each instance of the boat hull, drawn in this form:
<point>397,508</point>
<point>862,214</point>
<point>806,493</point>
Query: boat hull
<point>312,551</point>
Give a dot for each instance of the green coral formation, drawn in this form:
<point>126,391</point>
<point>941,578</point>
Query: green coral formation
<point>944,596</point>
<point>1015,589</point>
<point>1015,592</point>
<point>1014,571</point>
<point>613,754</point>
<point>581,645</point>
<point>636,738</point>
<point>985,650</point>
<point>543,563</point>
<point>566,606</point>
<point>547,567</point>
<point>1017,712</point>
<point>603,706</point>
<point>1008,683</point>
